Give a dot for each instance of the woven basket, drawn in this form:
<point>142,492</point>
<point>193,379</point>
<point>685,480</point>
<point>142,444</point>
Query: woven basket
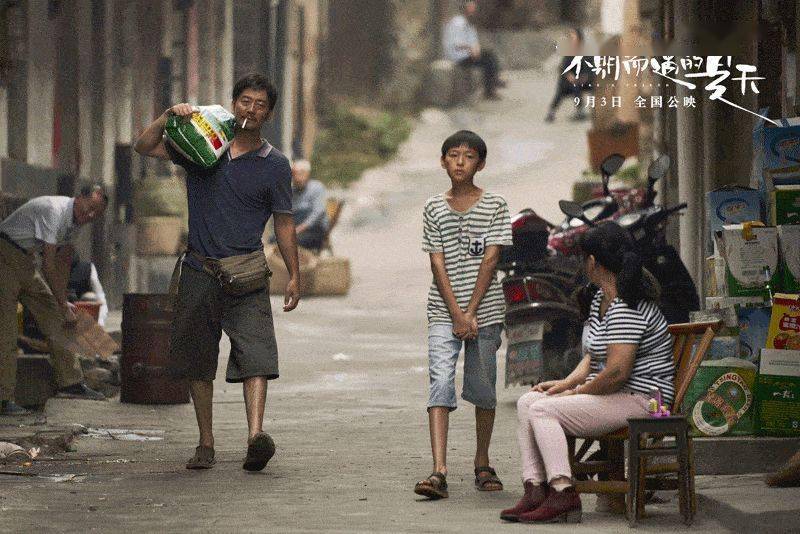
<point>158,236</point>
<point>331,277</point>
<point>280,276</point>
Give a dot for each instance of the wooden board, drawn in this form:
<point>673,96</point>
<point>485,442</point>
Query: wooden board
<point>88,339</point>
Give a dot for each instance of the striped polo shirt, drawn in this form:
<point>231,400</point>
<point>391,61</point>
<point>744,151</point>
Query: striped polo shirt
<point>463,238</point>
<point>644,326</point>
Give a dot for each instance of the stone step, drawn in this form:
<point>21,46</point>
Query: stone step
<point>34,379</point>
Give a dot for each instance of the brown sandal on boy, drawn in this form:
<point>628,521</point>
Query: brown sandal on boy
<point>486,479</point>
<point>434,487</point>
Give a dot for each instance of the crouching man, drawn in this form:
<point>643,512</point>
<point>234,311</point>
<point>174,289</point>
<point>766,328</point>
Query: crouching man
<point>35,258</point>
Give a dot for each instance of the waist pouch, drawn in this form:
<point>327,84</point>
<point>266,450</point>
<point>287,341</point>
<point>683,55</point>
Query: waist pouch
<point>238,275</point>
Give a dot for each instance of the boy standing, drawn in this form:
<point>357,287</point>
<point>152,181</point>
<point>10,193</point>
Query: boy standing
<point>464,230</point>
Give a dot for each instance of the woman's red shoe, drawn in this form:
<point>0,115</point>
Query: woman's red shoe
<point>558,507</point>
<point>535,495</point>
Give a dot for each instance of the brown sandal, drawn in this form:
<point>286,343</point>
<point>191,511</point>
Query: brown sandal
<point>203,458</point>
<point>485,476</point>
<point>434,487</point>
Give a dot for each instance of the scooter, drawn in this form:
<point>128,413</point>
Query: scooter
<point>647,226</point>
<point>544,274</point>
<point>535,238</point>
<point>546,309</point>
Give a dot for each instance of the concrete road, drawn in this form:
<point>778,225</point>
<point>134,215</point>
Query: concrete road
<point>348,413</point>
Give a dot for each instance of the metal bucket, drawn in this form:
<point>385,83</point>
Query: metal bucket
<point>146,328</point>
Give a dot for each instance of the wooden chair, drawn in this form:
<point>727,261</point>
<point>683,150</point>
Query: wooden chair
<point>610,471</point>
<point>333,207</point>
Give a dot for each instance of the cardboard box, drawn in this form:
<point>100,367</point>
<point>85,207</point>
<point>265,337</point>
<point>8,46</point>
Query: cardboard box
<point>719,400</point>
<point>789,242</point>
<point>784,325</point>
<point>778,177</point>
<point>776,146</point>
<point>753,331</point>
<point>750,252</point>
<point>778,393</point>
<point>715,276</point>
<point>785,204</point>
<point>732,204</point>
<point>723,347</point>
<point>726,307</point>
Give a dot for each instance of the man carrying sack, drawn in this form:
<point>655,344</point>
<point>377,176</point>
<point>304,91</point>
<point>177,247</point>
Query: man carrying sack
<point>224,280</point>
<point>35,258</point>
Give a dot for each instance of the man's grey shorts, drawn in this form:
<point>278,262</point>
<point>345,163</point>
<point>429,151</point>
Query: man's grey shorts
<point>480,366</point>
<point>202,312</point>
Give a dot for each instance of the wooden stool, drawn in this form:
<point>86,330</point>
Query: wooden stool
<point>639,451</point>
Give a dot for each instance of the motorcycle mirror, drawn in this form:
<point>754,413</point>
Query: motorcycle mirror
<point>609,167</point>
<point>658,169</point>
<point>571,209</point>
<point>612,164</point>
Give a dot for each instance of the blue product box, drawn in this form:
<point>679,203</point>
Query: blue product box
<point>776,146</point>
<point>731,204</point>
<point>753,331</point>
<point>723,347</point>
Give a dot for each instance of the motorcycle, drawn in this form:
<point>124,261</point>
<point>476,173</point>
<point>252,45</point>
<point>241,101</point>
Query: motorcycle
<point>547,300</point>
<point>647,226</point>
<point>543,316</point>
<point>535,238</point>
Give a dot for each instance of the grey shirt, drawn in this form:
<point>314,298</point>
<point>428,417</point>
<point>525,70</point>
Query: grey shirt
<point>41,220</point>
<point>309,206</point>
<point>458,33</point>
<point>462,236</point>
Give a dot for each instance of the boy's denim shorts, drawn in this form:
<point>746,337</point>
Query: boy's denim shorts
<point>480,366</point>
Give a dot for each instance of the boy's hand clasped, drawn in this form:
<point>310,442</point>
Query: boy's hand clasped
<point>465,326</point>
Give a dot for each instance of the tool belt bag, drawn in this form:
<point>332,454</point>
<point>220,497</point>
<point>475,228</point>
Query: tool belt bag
<point>238,275</point>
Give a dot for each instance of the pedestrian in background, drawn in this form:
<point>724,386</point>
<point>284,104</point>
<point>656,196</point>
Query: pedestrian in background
<point>35,257</point>
<point>463,231</point>
<point>569,85</point>
<point>461,46</point>
<point>229,206</point>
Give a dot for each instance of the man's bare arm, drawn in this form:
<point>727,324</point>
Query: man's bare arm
<point>56,263</point>
<point>287,244</point>
<point>151,141</point>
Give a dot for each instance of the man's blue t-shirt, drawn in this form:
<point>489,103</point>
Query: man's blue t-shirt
<point>230,203</point>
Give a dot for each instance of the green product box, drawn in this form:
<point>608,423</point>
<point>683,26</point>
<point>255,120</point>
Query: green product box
<point>778,393</point>
<point>789,239</point>
<point>750,251</point>
<point>719,401</point>
<point>785,205</point>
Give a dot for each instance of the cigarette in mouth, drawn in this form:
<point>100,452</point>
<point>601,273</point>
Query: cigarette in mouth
<point>244,124</point>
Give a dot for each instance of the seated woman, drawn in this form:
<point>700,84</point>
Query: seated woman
<point>629,353</point>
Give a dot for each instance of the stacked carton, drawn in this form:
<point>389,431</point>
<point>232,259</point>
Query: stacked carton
<point>750,380</point>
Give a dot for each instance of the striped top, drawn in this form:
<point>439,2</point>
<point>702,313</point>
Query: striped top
<point>463,238</point>
<point>644,326</point>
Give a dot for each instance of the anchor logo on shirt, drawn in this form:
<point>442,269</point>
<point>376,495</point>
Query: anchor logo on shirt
<point>477,245</point>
